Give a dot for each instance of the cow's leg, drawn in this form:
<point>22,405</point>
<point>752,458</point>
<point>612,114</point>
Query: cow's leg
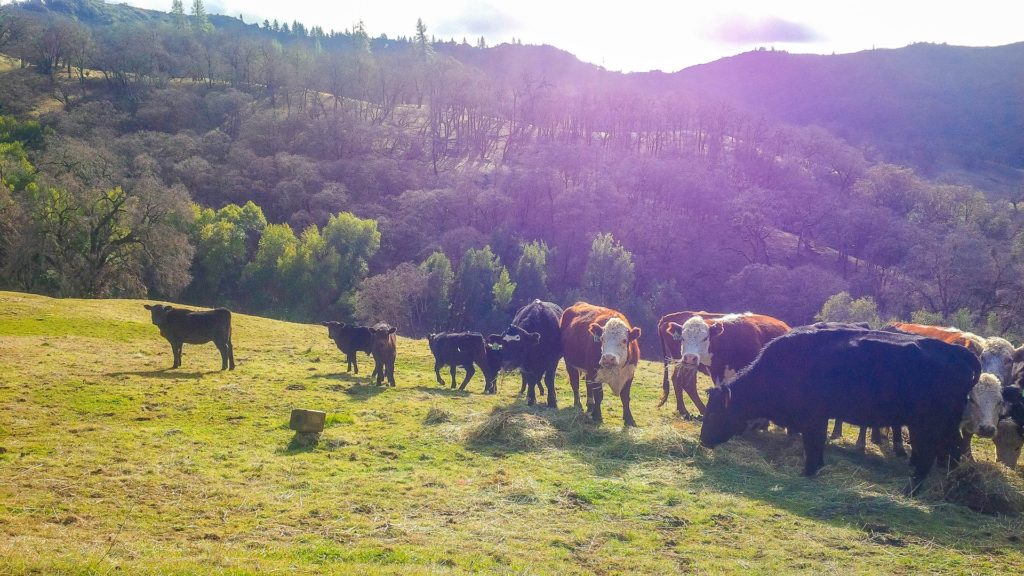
<point>391,372</point>
<point>231,355</point>
<point>690,385</point>
<point>378,372</point>
<point>574,383</point>
<point>453,376</point>
<point>677,387</point>
<point>176,352</point>
<point>354,361</point>
<point>862,439</point>
<point>965,449</point>
<point>876,435</point>
<point>595,394</point>
<point>837,430</point>
<point>470,370</point>
<point>814,435</point>
<point>925,441</point>
<point>549,381</point>
<point>437,372</point>
<point>627,414</point>
<point>531,387</point>
<point>897,441</point>
<point>522,388</point>
<point>222,347</point>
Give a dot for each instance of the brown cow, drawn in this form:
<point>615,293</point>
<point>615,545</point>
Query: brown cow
<point>717,344</point>
<point>600,343</point>
<point>382,346</point>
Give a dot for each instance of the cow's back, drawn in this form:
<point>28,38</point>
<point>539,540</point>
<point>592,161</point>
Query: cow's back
<point>197,327</point>
<point>862,376</point>
<point>544,318</point>
<point>741,340</point>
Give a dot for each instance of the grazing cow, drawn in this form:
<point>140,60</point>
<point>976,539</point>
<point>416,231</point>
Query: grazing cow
<point>180,326</point>
<point>866,377</point>
<point>1010,431</point>
<point>600,343</point>
<point>464,349</point>
<point>718,344</point>
<point>350,339</point>
<point>985,404</point>
<point>382,347</point>
<point>972,342</point>
<point>533,344</point>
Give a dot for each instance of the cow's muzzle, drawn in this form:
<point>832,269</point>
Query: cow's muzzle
<point>691,361</point>
<point>986,431</point>
<point>609,361</point>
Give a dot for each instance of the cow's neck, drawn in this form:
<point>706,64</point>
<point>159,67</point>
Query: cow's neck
<point>750,398</point>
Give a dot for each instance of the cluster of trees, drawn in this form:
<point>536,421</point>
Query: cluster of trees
<point>348,176</point>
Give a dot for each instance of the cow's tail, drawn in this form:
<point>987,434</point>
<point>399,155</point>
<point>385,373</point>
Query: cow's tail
<point>664,383</point>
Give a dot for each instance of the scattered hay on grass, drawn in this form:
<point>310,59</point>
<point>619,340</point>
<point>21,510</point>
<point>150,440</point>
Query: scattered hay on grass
<point>513,429</point>
<point>984,487</point>
<point>437,416</point>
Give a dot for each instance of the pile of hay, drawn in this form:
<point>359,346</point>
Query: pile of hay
<point>513,429</point>
<point>984,487</point>
<point>437,416</point>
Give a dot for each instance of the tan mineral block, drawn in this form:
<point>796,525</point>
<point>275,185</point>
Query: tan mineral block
<point>307,420</point>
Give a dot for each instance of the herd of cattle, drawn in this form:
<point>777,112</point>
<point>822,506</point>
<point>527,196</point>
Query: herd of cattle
<point>942,384</point>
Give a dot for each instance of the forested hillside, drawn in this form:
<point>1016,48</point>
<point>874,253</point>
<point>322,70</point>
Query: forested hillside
<point>284,170</point>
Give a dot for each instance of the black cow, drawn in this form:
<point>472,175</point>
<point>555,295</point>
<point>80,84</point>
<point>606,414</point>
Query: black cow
<point>464,349</point>
<point>865,377</point>
<point>350,339</point>
<point>533,344</point>
<point>180,326</point>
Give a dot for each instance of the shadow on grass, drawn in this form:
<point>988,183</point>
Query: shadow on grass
<point>449,392</point>
<point>856,490</point>
<point>343,377</point>
<point>168,373</point>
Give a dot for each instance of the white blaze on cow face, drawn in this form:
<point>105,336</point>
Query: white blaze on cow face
<point>614,368</point>
<point>998,359</point>
<point>985,404</point>
<point>694,338</point>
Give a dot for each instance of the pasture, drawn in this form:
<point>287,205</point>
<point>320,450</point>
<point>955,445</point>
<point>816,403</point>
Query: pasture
<point>110,463</point>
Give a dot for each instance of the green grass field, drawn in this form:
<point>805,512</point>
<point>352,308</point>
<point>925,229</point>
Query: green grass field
<point>111,464</point>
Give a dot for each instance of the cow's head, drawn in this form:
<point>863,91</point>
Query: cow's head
<point>512,347</point>
<point>694,337</point>
<point>721,421</point>
<point>614,337</point>
<point>336,330</point>
<point>997,358</point>
<point>380,336</point>
<point>158,312</point>
<point>984,406</point>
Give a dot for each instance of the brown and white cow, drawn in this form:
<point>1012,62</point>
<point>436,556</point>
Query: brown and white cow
<point>600,343</point>
<point>717,344</point>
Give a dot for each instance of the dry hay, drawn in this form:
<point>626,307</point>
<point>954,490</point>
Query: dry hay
<point>513,429</point>
<point>984,487</point>
<point>437,416</point>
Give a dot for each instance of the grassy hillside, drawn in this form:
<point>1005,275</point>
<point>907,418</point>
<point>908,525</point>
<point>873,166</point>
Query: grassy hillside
<point>108,462</point>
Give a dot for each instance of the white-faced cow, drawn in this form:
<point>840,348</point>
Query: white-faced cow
<point>865,377</point>
<point>533,344</point>
<point>179,326</point>
<point>717,344</point>
<point>600,343</point>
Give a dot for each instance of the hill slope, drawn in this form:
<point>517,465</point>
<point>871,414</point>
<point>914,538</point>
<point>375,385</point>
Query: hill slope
<point>109,461</point>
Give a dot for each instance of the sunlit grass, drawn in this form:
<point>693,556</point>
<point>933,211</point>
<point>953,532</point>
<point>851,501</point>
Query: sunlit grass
<point>108,461</point>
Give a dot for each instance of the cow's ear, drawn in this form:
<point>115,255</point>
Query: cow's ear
<point>533,337</point>
<point>1011,394</point>
<point>675,330</point>
<point>325,323</point>
<point>1018,354</point>
<point>596,329</point>
<point>392,330</point>
<point>716,329</point>
<point>634,334</point>
<point>147,306</point>
<point>341,324</point>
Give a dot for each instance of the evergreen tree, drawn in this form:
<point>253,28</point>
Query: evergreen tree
<point>609,276</point>
<point>531,272</point>
<point>473,296</point>
<point>200,21</point>
<point>178,12</point>
<point>423,46</point>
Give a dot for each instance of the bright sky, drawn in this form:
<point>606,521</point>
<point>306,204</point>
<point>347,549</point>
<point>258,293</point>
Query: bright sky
<point>640,35</point>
